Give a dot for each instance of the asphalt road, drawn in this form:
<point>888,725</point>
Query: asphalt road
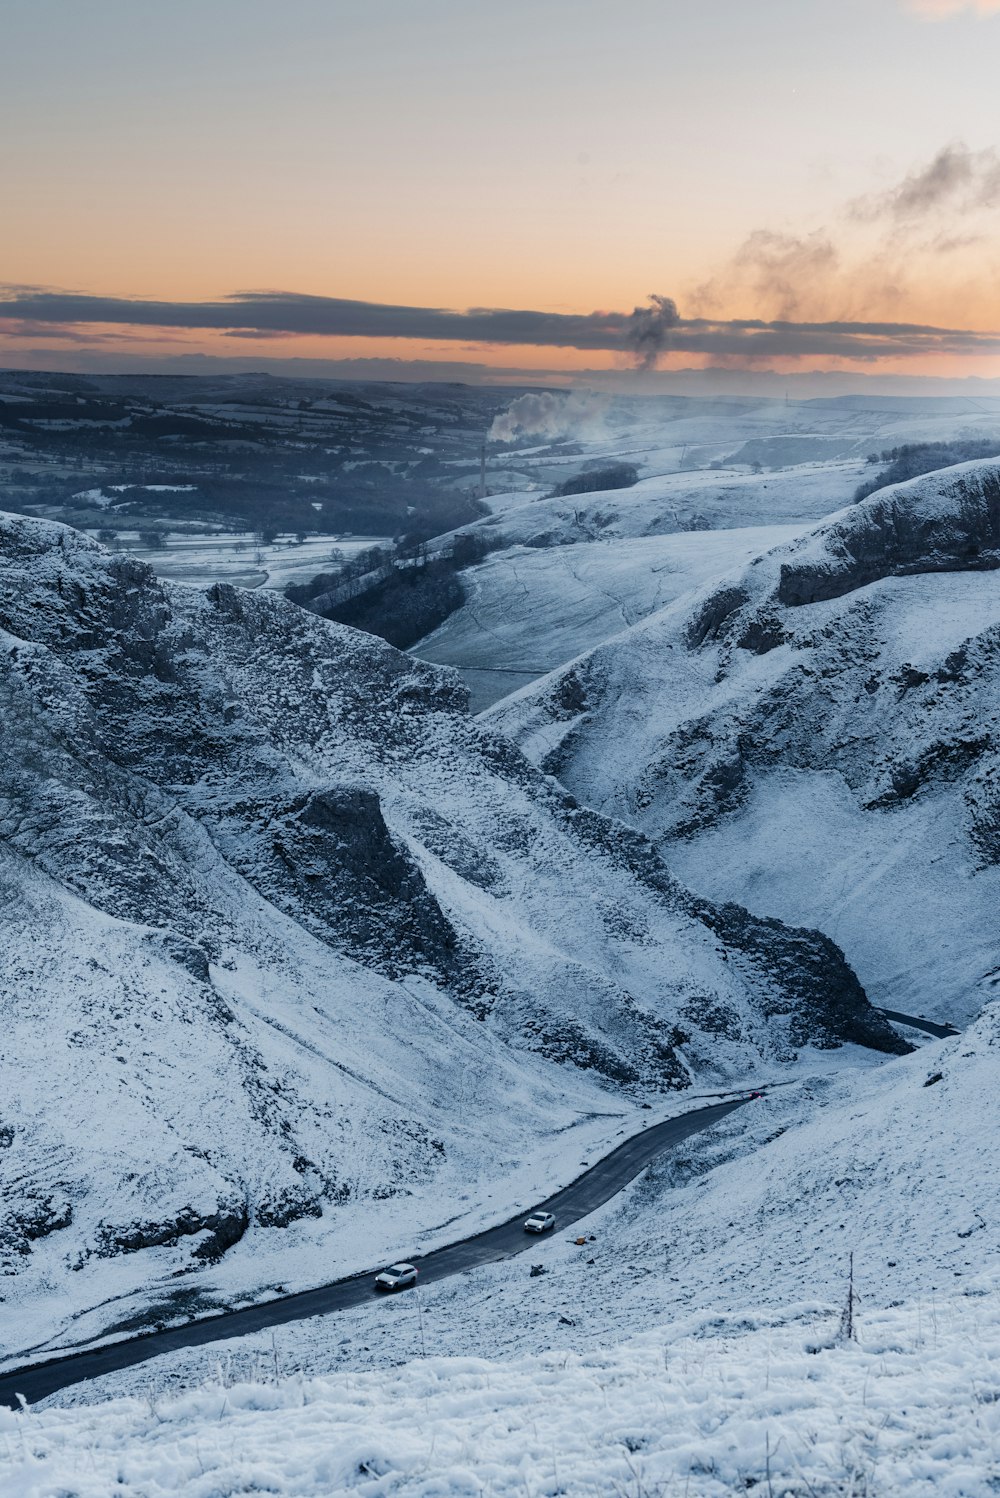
<point>919,1023</point>
<point>590,1191</point>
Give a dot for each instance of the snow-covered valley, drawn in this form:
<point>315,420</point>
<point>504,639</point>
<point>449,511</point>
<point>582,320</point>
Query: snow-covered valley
<point>279,915</point>
<point>530,610</point>
<point>305,966</point>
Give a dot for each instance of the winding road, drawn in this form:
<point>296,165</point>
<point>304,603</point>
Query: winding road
<point>590,1191</point>
<point>915,1022</point>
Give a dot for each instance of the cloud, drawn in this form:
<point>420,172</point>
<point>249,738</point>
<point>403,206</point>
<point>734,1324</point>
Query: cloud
<point>641,334</point>
<point>884,253</point>
<point>752,338</point>
<point>776,273</point>
<point>291,313</point>
<point>802,279</point>
<point>940,10</point>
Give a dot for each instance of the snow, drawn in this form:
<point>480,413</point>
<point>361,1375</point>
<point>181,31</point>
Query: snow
<point>802,849</point>
<point>576,570</point>
<point>913,1408</point>
<point>699,1348</point>
<point>201,561</point>
<point>348,969</point>
<point>529,611</point>
<point>102,495</point>
<point>876,834</point>
<point>757,1214</point>
<point>94,497</point>
<point>691,1345</point>
<point>701,499</point>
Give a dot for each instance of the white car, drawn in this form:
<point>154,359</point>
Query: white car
<point>540,1222</point>
<point>396,1277</point>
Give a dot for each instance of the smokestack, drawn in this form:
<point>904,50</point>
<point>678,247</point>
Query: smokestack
<point>482,470</point>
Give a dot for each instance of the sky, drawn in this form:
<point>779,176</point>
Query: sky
<point>560,189</point>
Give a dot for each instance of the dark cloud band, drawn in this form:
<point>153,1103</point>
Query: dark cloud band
<point>644,333</point>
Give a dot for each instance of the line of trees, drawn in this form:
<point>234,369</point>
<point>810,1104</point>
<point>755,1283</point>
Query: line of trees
<point>400,593</point>
<point>914,458</point>
<point>592,480</point>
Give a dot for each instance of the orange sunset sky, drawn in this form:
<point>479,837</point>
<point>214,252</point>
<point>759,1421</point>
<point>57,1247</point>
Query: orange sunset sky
<point>813,184</point>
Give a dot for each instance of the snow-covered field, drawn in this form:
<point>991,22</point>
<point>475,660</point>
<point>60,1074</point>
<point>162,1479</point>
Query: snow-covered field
<point>672,433</point>
<point>237,558</point>
<point>664,502</point>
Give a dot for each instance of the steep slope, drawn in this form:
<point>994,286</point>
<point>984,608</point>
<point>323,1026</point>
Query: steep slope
<point>815,736</point>
<point>287,935</point>
<point>528,611</point>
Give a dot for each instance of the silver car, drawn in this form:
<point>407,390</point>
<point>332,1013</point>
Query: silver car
<point>396,1277</point>
<point>540,1222</point>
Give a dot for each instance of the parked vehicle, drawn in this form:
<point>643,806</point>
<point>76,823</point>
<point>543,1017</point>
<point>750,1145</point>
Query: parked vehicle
<point>396,1277</point>
<point>540,1222</point>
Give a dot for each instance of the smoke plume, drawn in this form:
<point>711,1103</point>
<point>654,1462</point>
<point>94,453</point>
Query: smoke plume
<point>957,179</point>
<point>551,416</point>
<point>648,331</point>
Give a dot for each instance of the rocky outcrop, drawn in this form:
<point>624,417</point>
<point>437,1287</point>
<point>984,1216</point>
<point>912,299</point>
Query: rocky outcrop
<point>947,523</point>
<point>217,1230</point>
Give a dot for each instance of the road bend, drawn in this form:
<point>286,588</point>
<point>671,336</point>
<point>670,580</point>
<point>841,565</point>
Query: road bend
<point>588,1192</point>
<point>917,1022</point>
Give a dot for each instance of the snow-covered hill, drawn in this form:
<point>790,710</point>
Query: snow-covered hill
<point>289,937</point>
<point>815,736</point>
<point>695,1341</point>
<point>528,611</point>
<point>665,502</point>
<point>571,570</point>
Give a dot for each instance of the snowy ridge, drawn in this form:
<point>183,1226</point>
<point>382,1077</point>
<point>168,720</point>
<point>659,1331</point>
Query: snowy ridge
<point>672,502</point>
<point>745,730</point>
<point>277,913</point>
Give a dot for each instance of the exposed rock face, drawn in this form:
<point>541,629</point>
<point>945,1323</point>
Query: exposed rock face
<point>950,523</point>
<point>286,932</point>
<point>817,737</point>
